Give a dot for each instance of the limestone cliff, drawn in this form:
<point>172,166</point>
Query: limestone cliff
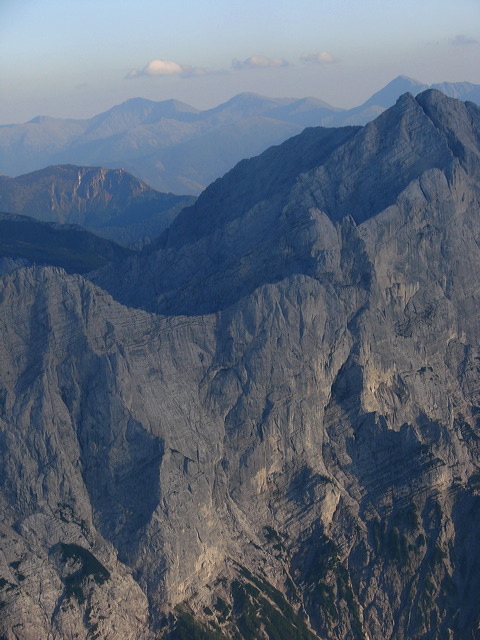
<point>284,442</point>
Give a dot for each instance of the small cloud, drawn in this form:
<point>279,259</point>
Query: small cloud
<point>191,72</point>
<point>462,40</point>
<point>258,62</point>
<point>317,58</point>
<point>166,68</point>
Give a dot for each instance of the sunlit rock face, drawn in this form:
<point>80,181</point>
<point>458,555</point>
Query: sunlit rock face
<point>271,427</point>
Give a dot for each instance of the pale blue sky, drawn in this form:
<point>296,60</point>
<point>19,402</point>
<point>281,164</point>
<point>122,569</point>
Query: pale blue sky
<point>75,58</point>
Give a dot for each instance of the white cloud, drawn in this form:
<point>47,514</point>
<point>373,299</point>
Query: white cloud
<point>258,62</point>
<point>166,68</point>
<point>317,58</point>
<point>462,40</point>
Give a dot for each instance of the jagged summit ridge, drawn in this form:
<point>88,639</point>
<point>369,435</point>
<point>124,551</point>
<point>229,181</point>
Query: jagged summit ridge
<point>286,202</point>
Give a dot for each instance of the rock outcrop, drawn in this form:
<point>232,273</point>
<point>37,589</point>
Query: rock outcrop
<point>284,441</point>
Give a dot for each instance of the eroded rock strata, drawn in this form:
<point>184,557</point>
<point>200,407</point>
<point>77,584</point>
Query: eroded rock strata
<point>284,441</point>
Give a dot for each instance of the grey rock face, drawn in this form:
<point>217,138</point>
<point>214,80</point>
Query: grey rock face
<point>272,216</point>
<point>312,436</point>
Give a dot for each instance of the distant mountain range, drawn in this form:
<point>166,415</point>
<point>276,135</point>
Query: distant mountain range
<point>176,148</point>
<point>111,203</point>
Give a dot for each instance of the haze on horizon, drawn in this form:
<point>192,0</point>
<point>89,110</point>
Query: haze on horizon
<point>66,58</point>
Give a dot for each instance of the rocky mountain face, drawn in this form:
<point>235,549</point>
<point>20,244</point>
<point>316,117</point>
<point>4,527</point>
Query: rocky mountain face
<point>177,148</point>
<point>111,203</point>
<point>281,439</point>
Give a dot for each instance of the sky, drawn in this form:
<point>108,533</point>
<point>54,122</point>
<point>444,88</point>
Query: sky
<point>77,58</point>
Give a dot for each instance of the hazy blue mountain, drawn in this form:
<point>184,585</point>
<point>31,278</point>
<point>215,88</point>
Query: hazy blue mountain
<point>460,90</point>
<point>111,203</point>
<point>242,106</point>
<point>306,112</point>
<point>137,111</point>
<point>160,142</point>
<point>388,95</point>
<point>190,165</point>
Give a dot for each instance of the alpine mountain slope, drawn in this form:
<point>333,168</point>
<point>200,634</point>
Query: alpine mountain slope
<point>266,426</point>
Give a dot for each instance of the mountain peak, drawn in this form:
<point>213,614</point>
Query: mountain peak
<point>457,121</point>
<point>302,462</point>
<point>402,79</point>
<point>250,103</point>
<point>142,105</point>
<point>266,205</point>
<point>139,111</point>
<point>387,96</point>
